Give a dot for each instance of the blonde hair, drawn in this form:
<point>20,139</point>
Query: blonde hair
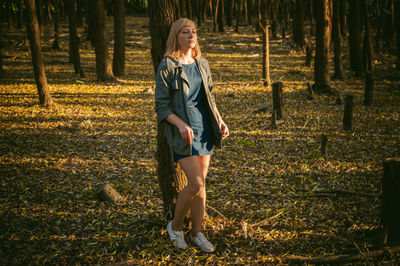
<point>172,47</point>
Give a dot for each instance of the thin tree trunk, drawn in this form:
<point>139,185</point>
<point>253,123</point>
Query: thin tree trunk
<point>299,23</point>
<point>249,11</point>
<point>37,61</point>
<point>73,37</point>
<point>321,73</point>
<point>355,37</point>
<point>266,74</point>
<point>1,65</point>
<point>239,14</point>
<point>337,41</point>
<point>397,27</point>
<point>216,10</point>
<point>39,11</point>
<point>97,17</point>
<point>119,42</point>
<point>20,14</point>
<point>56,44</point>
<point>221,16</point>
<point>367,48</point>
<point>229,12</point>
<point>79,13</point>
<point>342,17</point>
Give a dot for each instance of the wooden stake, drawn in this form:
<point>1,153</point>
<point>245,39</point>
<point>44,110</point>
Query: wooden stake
<point>277,88</point>
<point>348,113</point>
<point>324,142</point>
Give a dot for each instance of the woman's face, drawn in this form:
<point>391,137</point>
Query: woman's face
<point>187,37</point>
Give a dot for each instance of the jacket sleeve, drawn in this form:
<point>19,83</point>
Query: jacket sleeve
<point>209,79</point>
<point>162,95</point>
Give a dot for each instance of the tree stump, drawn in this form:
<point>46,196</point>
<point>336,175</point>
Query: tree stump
<point>369,86</point>
<point>108,193</point>
<point>277,91</point>
<point>390,216</point>
<point>348,112</point>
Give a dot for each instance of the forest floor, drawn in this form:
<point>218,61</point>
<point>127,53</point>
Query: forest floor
<point>270,192</point>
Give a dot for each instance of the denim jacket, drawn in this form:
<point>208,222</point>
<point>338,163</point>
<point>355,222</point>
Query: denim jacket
<point>171,96</point>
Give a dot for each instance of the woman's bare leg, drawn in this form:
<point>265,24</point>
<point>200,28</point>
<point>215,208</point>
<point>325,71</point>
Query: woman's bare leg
<point>198,204</point>
<point>196,182</point>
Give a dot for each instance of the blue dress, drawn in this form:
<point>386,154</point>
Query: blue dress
<point>198,115</point>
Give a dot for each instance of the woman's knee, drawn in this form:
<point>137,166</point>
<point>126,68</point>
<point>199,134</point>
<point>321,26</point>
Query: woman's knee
<point>196,188</point>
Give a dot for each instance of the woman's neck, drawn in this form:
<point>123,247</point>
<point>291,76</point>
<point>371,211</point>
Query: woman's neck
<point>185,56</point>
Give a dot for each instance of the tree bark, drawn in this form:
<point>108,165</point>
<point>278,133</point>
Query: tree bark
<point>20,14</point>
<point>321,73</point>
<point>56,44</point>
<point>355,37</point>
<point>119,38</point>
<point>239,14</point>
<point>97,17</point>
<point>266,73</point>
<point>216,10</point>
<point>337,47</point>
<point>299,25</point>
<point>230,5</point>
<point>221,16</point>
<point>367,48</point>
<point>397,27</point>
<point>37,61</point>
<point>73,37</point>
<point>162,15</point>
<point>390,216</point>
<point>39,12</point>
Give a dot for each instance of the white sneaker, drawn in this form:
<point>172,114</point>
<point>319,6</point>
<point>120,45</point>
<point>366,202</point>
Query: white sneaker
<point>201,241</point>
<point>177,237</point>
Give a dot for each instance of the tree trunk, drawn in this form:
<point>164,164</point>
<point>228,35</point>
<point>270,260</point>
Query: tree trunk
<point>8,14</point>
<point>56,44</point>
<point>390,215</point>
<point>97,17</point>
<point>79,13</point>
<point>230,6</point>
<point>1,65</point>
<point>367,48</point>
<point>162,15</point>
<point>355,37</point>
<point>266,74</point>
<point>119,38</point>
<point>337,41</point>
<point>397,27</point>
<point>321,73</point>
<point>37,61</point>
<point>299,25</point>
<point>388,17</point>
<point>73,37</point>
<point>216,10</point>
<point>39,11</point>
<point>221,16</point>
<point>342,17</point>
<point>239,14</point>
<point>20,14</point>
<point>249,11</point>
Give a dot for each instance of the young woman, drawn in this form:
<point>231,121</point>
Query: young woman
<point>193,125</point>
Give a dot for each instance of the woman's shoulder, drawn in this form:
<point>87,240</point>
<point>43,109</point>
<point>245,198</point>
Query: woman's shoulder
<point>169,63</point>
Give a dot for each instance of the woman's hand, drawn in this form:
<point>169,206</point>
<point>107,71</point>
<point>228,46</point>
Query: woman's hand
<point>186,133</point>
<point>223,130</point>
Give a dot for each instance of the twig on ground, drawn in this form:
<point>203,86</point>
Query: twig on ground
<point>208,206</point>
